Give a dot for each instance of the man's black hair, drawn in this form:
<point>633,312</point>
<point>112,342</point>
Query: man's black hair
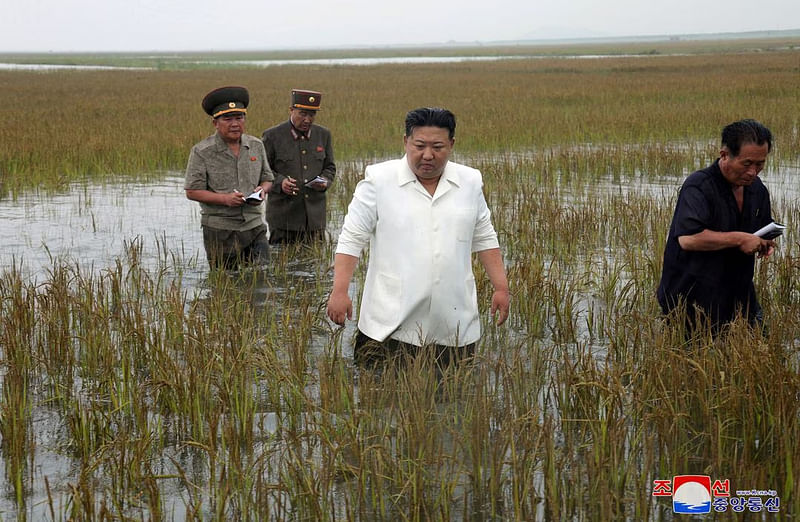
<point>431,117</point>
<point>744,132</point>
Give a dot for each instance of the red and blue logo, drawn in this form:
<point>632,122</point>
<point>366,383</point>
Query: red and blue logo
<point>697,494</point>
<point>691,494</point>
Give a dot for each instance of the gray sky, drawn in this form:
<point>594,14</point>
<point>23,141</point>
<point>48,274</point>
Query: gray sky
<point>173,25</point>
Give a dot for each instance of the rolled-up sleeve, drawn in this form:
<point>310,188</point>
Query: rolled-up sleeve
<point>196,172</point>
<point>361,219</point>
<point>693,212</point>
<point>484,237</point>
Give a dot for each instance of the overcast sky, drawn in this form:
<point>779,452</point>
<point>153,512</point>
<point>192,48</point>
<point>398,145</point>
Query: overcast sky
<point>174,25</point>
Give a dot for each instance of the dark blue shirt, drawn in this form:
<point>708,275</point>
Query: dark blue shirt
<point>720,281</point>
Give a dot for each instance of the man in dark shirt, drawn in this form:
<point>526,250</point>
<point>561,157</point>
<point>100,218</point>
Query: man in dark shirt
<point>301,155</point>
<point>710,253</point>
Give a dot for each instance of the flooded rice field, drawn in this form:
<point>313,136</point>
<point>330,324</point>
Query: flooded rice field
<point>128,415</point>
<point>135,384</point>
<point>178,61</point>
<point>92,225</point>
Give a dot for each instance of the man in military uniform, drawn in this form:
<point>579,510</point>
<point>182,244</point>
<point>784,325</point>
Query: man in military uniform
<point>301,154</point>
<point>228,174</point>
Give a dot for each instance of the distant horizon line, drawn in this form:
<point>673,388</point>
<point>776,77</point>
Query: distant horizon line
<point>728,35</point>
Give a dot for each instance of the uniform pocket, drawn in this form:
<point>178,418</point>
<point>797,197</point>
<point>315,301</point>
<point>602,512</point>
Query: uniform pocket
<point>283,162</point>
<point>221,181</point>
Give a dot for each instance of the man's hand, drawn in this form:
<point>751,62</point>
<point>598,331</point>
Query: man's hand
<point>289,186</point>
<point>319,186</point>
<point>233,199</point>
<point>256,202</point>
<point>501,301</point>
<point>755,245</point>
<point>710,240</point>
<point>340,307</point>
<point>492,261</point>
<point>768,253</point>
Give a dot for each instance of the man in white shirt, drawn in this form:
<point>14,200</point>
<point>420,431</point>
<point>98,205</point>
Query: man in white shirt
<point>422,216</point>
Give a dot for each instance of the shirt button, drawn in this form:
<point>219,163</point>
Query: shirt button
<point>305,167</point>
<point>302,152</point>
<point>306,196</point>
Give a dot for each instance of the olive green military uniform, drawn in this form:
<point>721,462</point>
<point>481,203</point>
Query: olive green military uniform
<point>212,166</point>
<point>230,233</point>
<point>302,158</point>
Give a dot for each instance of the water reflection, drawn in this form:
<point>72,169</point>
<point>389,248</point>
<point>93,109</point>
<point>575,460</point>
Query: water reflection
<point>178,61</point>
<point>378,60</point>
<point>268,63</point>
<point>93,225</point>
<point>422,59</point>
<point>66,67</point>
<point>90,225</point>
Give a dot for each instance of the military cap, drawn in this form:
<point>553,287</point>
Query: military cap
<point>306,100</point>
<point>226,100</point>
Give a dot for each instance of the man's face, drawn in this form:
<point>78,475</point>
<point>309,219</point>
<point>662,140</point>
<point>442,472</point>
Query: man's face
<point>230,126</point>
<point>742,170</point>
<point>427,151</point>
<point>302,119</point>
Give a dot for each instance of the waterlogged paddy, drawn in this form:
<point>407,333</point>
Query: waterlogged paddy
<point>49,67</point>
<point>267,63</point>
<point>95,225</point>
<point>92,224</point>
<point>325,62</point>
